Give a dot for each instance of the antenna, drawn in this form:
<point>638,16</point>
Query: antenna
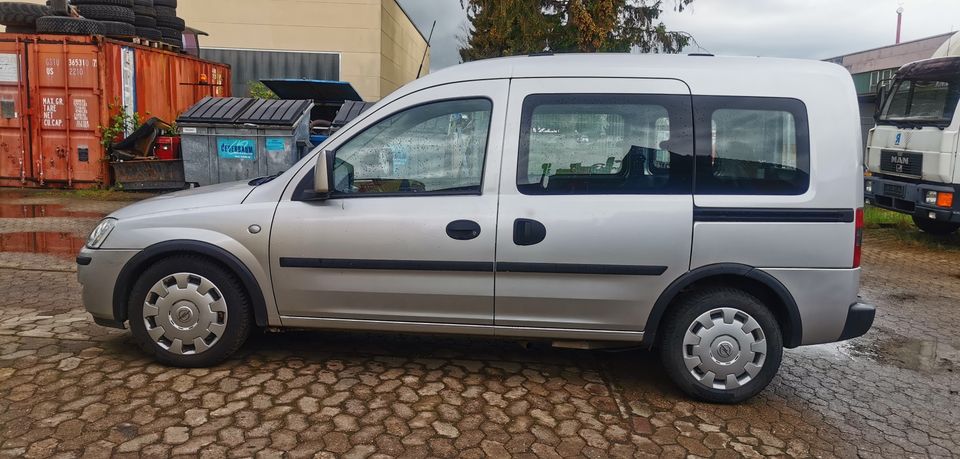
<point>427,49</point>
<point>899,22</point>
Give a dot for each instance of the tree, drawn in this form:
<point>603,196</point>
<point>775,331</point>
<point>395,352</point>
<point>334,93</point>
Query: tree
<point>511,27</point>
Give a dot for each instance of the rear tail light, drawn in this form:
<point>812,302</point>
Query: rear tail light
<point>858,239</point>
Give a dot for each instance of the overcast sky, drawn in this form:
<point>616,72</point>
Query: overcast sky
<point>814,29</point>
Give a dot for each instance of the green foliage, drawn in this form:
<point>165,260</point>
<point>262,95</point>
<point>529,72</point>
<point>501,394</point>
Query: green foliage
<point>884,226</point>
<point>514,27</point>
<point>120,124</point>
<point>259,90</point>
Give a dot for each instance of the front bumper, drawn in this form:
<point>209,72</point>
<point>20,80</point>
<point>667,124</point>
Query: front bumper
<point>859,321</point>
<point>97,271</point>
<point>908,198</point>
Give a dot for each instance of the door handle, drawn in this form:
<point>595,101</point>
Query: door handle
<point>528,232</point>
<point>463,230</point>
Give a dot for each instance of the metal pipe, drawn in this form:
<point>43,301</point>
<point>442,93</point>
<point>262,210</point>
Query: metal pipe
<point>899,23</point>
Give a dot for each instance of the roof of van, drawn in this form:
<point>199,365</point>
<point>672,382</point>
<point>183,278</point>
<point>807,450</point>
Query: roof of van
<point>704,74</point>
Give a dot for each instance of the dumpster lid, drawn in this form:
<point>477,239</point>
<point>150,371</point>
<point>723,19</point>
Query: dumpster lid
<point>241,110</point>
<point>320,91</point>
<point>275,112</point>
<point>349,111</point>
<point>215,110</point>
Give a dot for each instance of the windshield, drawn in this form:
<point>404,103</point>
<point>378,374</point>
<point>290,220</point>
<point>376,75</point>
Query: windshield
<point>922,102</point>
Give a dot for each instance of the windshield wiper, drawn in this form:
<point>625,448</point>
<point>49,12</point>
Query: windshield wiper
<point>261,180</point>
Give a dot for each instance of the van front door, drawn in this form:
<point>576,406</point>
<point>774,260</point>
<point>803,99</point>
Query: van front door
<point>596,205</point>
<point>406,241</point>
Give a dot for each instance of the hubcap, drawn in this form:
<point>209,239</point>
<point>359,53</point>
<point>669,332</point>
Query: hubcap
<point>185,313</point>
<point>724,348</point>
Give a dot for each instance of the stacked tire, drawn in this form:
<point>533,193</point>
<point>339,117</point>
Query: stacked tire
<point>116,17</point>
<point>170,26</point>
<point>145,20</point>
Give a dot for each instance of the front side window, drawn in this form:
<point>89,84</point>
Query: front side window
<point>605,144</point>
<point>434,149</point>
<point>751,146</point>
<point>931,102</point>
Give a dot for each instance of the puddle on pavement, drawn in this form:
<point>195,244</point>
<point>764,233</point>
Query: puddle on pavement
<point>900,352</point>
<point>43,211</point>
<point>62,245</point>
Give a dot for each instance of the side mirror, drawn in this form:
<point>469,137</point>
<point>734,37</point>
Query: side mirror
<point>321,178</point>
<point>882,91</point>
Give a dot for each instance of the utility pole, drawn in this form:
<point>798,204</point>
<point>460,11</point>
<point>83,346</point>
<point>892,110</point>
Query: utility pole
<point>425,51</point>
<point>899,23</point>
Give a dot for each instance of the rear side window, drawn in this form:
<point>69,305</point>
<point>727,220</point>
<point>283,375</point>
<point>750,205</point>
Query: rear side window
<point>606,144</point>
<point>751,146</point>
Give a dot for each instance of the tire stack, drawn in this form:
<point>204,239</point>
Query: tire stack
<point>146,20</point>
<point>116,17</point>
<point>170,26</point>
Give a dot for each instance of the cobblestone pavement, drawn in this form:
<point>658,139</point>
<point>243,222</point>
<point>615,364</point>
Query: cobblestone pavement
<point>69,388</point>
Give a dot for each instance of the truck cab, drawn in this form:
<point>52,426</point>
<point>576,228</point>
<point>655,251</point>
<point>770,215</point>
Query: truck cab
<point>911,156</point>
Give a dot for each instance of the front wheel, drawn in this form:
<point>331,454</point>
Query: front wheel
<point>936,228</point>
<point>721,345</point>
<point>187,311</point>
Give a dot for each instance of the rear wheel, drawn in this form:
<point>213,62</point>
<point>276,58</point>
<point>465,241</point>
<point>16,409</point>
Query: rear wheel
<point>721,345</point>
<point>187,311</point>
<point>936,228</point>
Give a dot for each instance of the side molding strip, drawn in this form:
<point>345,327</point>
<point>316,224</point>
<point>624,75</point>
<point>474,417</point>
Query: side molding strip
<point>471,266</point>
<point>752,215</point>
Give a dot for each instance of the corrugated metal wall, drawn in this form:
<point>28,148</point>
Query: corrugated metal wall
<point>254,65</point>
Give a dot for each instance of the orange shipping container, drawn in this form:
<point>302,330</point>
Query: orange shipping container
<point>57,91</point>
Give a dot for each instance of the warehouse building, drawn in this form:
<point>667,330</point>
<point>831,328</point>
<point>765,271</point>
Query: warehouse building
<point>372,44</point>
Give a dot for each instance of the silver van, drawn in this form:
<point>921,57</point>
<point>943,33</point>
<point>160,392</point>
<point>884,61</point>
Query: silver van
<point>706,207</point>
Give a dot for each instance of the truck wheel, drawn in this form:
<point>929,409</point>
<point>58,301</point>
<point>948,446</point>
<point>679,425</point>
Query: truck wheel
<point>936,228</point>
<point>107,13</point>
<point>68,26</point>
<point>721,345</point>
<point>187,311</point>
<point>21,14</point>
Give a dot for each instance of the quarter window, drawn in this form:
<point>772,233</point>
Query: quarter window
<point>605,144</point>
<point>752,146</point>
<point>435,149</point>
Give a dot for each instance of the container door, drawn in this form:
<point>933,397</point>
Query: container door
<point>596,203</point>
<point>14,125</point>
<point>66,95</point>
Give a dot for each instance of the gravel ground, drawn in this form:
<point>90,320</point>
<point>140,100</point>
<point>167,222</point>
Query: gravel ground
<point>69,388</point>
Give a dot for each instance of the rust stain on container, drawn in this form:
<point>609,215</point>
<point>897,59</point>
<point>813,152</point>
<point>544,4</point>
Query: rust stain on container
<point>57,91</point>
<point>63,245</point>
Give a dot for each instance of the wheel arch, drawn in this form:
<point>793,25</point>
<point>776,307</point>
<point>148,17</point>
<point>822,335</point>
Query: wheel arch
<point>752,280</point>
<point>136,265</point>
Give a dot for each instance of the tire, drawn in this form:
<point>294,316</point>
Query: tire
<point>118,29</point>
<point>726,353</point>
<point>58,7</point>
<point>145,21</point>
<point>167,3</point>
<point>220,317</point>
<point>170,34</point>
<point>107,13</point>
<point>173,42</point>
<point>166,11</point>
<point>19,14</point>
<point>16,29</point>
<point>149,33</point>
<point>936,228</point>
<point>174,23</point>
<point>148,3</point>
<point>124,3</point>
<point>68,26</point>
<point>145,11</point>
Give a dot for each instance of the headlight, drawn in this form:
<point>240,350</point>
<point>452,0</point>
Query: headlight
<point>931,198</point>
<point>100,233</point>
<point>870,187</point>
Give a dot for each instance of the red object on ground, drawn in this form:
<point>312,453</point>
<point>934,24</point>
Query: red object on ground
<point>167,148</point>
<point>57,90</point>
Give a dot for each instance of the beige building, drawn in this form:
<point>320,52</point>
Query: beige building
<point>372,44</point>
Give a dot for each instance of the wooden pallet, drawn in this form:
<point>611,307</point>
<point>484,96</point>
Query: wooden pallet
<point>150,43</point>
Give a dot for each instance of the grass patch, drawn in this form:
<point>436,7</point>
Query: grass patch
<point>886,223</point>
<point>102,194</point>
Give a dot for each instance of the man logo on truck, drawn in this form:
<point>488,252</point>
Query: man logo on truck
<point>899,138</point>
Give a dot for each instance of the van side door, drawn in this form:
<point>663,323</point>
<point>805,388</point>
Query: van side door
<point>596,204</point>
<point>406,240</point>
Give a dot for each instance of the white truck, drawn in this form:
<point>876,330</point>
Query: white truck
<point>911,159</point>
